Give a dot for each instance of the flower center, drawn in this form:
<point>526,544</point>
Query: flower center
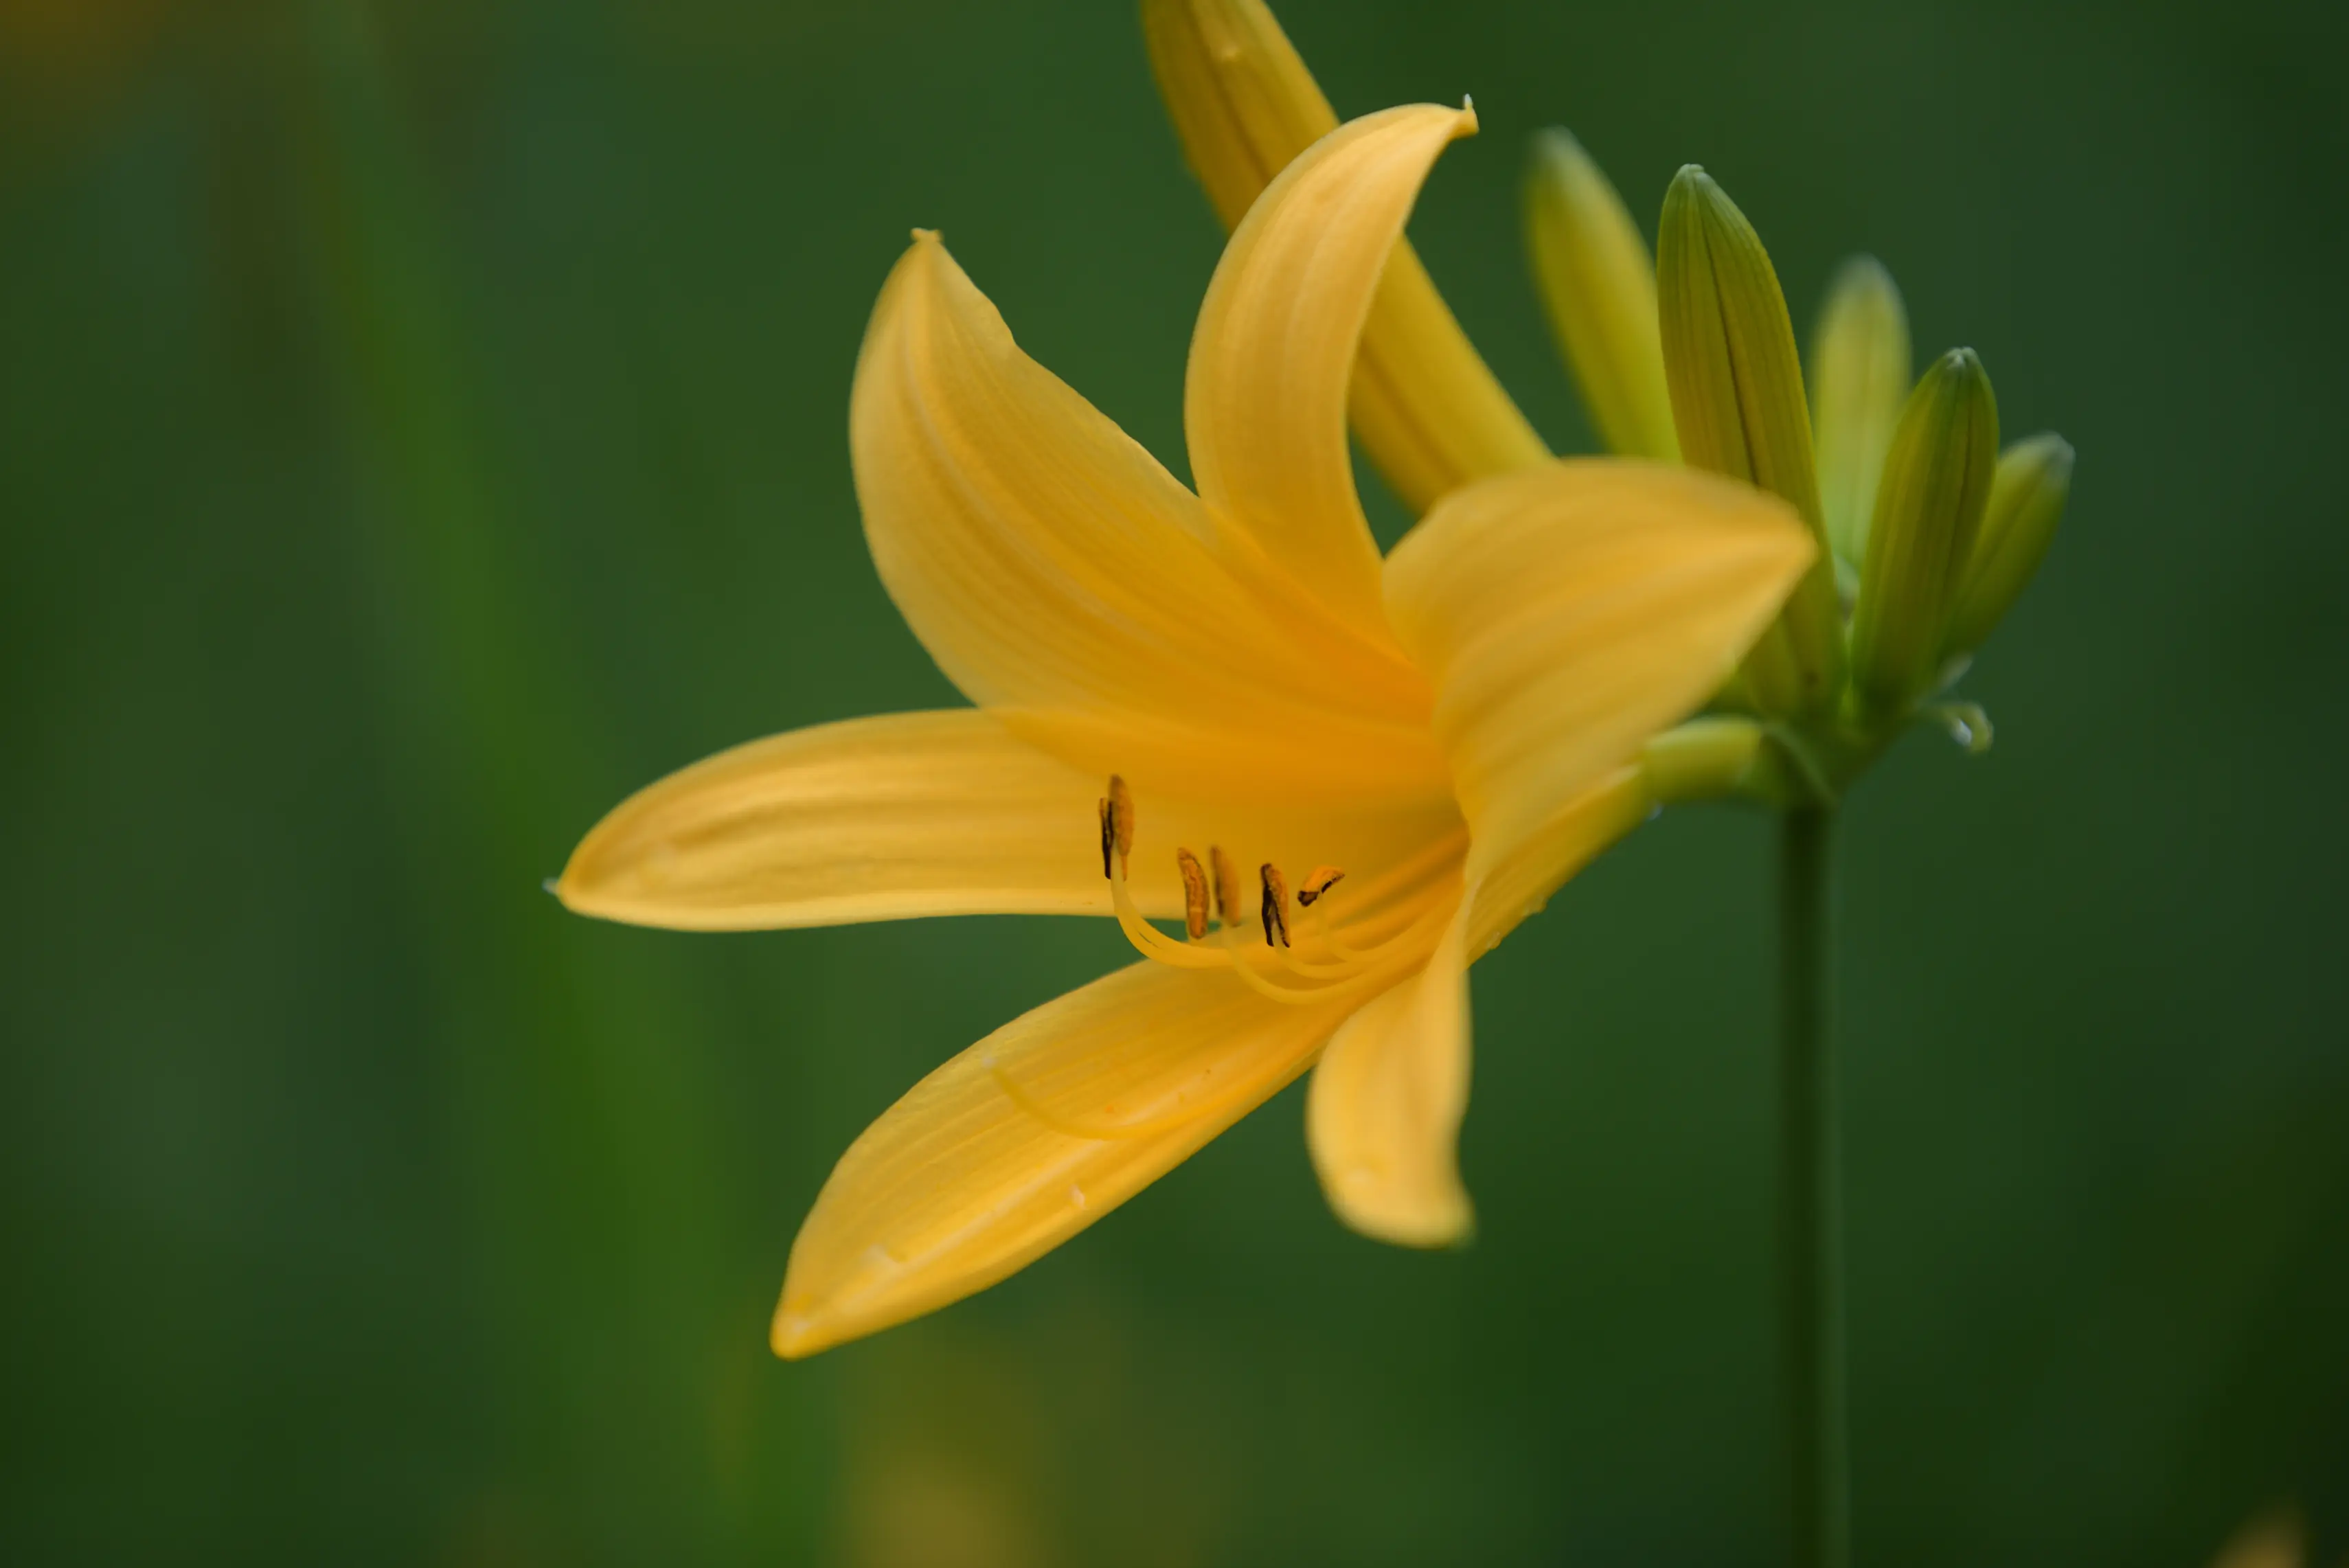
<point>1303,959</point>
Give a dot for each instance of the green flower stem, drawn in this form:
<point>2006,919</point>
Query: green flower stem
<point>1810,1192</point>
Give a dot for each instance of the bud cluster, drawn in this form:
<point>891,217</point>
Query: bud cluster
<point>1927,532</point>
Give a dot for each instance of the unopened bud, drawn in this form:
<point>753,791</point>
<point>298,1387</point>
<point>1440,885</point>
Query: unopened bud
<point>1736,386</point>
<point>1929,511</point>
<point>2026,502</point>
<point>1860,376</point>
<point>1241,100</point>
<point>1599,285</point>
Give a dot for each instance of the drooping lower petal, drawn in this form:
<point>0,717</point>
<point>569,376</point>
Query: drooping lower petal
<point>1265,399</point>
<point>1029,1137</point>
<point>1383,1113</point>
<point>906,815</point>
<point>1570,611</point>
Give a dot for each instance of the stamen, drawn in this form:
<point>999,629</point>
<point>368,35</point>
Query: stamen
<point>1318,880</point>
<point>1276,905</point>
<point>1121,811</point>
<point>1194,894</point>
<point>1396,912</point>
<point>1151,942</point>
<point>1227,886</point>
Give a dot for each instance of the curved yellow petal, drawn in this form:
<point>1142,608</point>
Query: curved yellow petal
<point>1429,412</point>
<point>1318,759</point>
<point>1382,1114</point>
<point>924,814</point>
<point>1265,400</point>
<point>1029,1137</point>
<point>1047,562</point>
<point>1568,612</point>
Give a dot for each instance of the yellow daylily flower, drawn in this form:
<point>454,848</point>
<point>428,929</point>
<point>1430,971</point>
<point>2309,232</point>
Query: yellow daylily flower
<point>1346,776</point>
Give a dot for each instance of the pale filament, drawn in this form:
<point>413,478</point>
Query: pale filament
<point>1404,910</point>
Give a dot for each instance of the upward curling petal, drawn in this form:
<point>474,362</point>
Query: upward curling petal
<point>1050,565</point>
<point>1265,401</point>
<point>1429,412</point>
<point>1041,556</point>
<point>1567,613</point>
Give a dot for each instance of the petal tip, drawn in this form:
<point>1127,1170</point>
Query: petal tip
<point>796,1336</point>
<point>1428,1221</point>
<point>569,888</point>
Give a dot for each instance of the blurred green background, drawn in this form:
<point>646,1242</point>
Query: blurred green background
<point>421,424</point>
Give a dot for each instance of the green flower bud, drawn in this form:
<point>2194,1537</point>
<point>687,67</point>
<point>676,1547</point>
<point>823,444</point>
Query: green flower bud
<point>1929,511</point>
<point>1599,287</point>
<point>1736,386</point>
<point>1860,375</point>
<point>2026,502</point>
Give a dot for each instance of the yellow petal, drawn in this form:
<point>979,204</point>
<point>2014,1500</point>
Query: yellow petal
<point>1429,412</point>
<point>926,814</point>
<point>1382,1114</point>
<point>1029,1137</point>
<point>1265,403</point>
<point>1542,860</point>
<point>1860,377</point>
<point>1313,759</point>
<point>1047,562</point>
<point>1599,285</point>
<point>1570,611</point>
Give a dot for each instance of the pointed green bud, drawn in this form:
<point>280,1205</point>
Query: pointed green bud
<point>1598,286</point>
<point>1929,511</point>
<point>1860,377</point>
<point>2026,502</point>
<point>1736,386</point>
